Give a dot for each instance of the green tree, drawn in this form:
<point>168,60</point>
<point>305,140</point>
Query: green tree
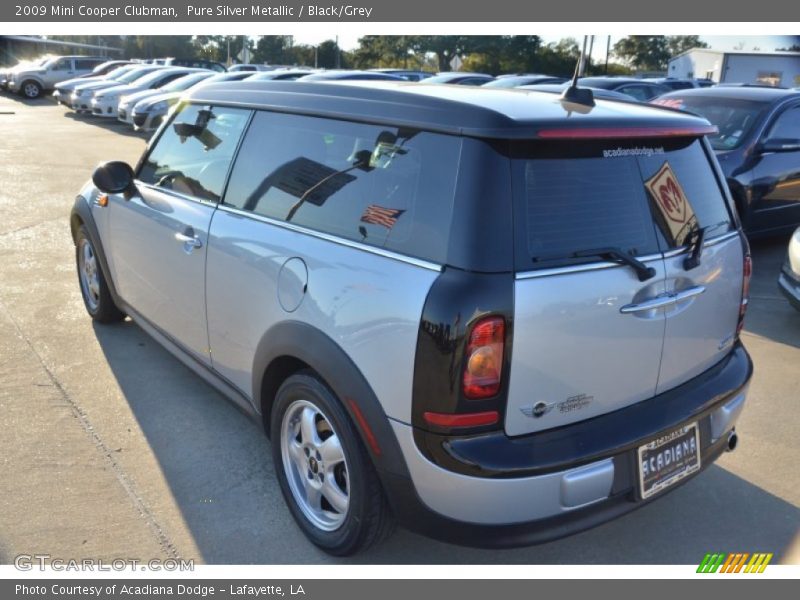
<point>272,49</point>
<point>646,52</point>
<point>676,44</point>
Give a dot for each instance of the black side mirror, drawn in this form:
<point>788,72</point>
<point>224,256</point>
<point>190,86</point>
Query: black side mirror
<point>780,145</point>
<point>113,177</point>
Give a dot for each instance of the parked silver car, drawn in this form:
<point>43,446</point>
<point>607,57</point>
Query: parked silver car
<point>32,82</point>
<point>489,316</point>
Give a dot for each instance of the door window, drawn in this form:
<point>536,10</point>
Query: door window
<point>787,125</point>
<point>194,153</point>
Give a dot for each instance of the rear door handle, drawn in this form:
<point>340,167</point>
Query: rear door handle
<point>662,301</point>
<point>188,240</point>
<point>650,304</point>
<point>689,293</point>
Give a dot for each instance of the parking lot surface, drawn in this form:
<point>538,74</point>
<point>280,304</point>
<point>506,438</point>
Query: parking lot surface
<point>111,448</point>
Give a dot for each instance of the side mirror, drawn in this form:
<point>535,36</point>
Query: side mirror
<point>780,145</point>
<point>113,177</point>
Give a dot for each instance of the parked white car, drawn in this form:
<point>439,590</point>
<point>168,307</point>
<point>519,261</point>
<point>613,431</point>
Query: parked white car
<point>104,102</point>
<point>126,103</point>
<point>81,98</point>
<point>5,74</point>
<point>32,82</point>
<point>148,114</point>
<point>789,279</point>
<point>64,89</point>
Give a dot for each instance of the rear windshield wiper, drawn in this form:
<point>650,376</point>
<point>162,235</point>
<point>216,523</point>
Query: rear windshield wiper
<point>619,255</point>
<point>697,243</point>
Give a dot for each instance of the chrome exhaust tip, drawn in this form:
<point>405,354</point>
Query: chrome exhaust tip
<point>733,441</point>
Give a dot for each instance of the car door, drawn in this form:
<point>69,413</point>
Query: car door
<point>703,314</point>
<point>158,236</point>
<point>588,330</point>
<point>777,173</point>
<point>60,70</point>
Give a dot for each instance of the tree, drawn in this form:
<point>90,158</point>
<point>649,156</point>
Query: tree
<point>652,52</point>
<point>676,44</point>
<point>445,47</point>
<point>792,48</point>
<point>272,49</point>
<point>646,52</point>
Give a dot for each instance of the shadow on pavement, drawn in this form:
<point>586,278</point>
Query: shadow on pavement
<point>217,463</point>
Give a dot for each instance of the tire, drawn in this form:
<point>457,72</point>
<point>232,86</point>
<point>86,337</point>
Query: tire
<point>334,495</point>
<point>30,89</point>
<point>94,289</point>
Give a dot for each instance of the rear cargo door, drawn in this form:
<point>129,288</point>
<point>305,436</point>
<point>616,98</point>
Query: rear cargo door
<point>587,331</point>
<point>701,324</point>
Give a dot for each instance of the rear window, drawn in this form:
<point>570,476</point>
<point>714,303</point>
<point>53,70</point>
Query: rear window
<point>379,185</point>
<point>643,197</point>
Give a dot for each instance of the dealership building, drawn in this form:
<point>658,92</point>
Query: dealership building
<point>768,68</point>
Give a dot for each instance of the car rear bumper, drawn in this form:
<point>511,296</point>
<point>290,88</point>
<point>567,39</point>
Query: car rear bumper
<point>790,286</point>
<point>494,491</point>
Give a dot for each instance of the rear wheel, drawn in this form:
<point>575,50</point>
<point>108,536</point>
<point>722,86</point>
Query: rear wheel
<point>326,477</point>
<point>31,89</point>
<point>94,289</point>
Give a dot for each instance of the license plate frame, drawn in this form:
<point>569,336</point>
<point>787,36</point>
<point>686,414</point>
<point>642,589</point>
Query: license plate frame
<point>668,459</point>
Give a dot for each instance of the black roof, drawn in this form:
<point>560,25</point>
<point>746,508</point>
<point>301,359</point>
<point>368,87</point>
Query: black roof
<point>460,110</point>
<point>763,94</point>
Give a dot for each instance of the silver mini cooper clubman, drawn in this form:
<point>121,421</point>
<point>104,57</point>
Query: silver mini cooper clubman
<point>493,316</point>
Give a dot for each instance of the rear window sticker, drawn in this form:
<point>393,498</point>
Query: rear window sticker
<point>677,219</point>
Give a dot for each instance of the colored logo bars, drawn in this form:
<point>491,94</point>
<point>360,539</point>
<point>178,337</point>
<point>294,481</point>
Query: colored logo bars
<point>735,562</point>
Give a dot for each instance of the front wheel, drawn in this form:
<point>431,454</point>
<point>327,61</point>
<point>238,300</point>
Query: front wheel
<point>31,90</point>
<point>94,288</point>
<point>325,475</point>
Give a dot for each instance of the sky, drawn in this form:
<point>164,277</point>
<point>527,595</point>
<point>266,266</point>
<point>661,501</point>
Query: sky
<point>349,41</point>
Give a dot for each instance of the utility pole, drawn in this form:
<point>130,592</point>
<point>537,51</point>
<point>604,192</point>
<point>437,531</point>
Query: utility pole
<point>589,56</point>
<point>338,54</point>
<point>608,51</point>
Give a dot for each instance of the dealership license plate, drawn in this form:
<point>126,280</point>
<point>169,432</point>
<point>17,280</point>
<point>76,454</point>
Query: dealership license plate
<point>668,459</point>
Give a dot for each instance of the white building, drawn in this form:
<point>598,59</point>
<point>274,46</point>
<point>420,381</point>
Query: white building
<point>734,66</point>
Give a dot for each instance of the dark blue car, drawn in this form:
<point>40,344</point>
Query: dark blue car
<point>758,148</point>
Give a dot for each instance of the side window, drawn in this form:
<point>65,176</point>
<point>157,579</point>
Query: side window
<point>62,64</point>
<point>193,154</point>
<point>787,125</point>
<point>379,185</point>
<point>84,64</point>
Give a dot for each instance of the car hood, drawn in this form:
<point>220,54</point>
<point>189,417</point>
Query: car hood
<point>71,84</point>
<point>119,90</point>
<point>156,98</point>
<point>137,96</point>
<point>95,85</point>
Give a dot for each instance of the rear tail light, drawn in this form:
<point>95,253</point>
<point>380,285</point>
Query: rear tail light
<point>747,273</point>
<point>483,368</point>
<point>489,417</point>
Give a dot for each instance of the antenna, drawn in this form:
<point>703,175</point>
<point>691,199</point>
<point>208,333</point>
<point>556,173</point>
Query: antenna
<point>573,93</point>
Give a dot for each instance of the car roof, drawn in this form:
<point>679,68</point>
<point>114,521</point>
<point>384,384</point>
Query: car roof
<point>602,82</point>
<point>765,94</point>
<point>459,110</point>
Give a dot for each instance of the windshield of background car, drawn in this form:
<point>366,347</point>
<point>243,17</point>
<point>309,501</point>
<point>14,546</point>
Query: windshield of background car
<point>135,74</point>
<point>184,83</point>
<point>733,117</point>
<point>640,196</point>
